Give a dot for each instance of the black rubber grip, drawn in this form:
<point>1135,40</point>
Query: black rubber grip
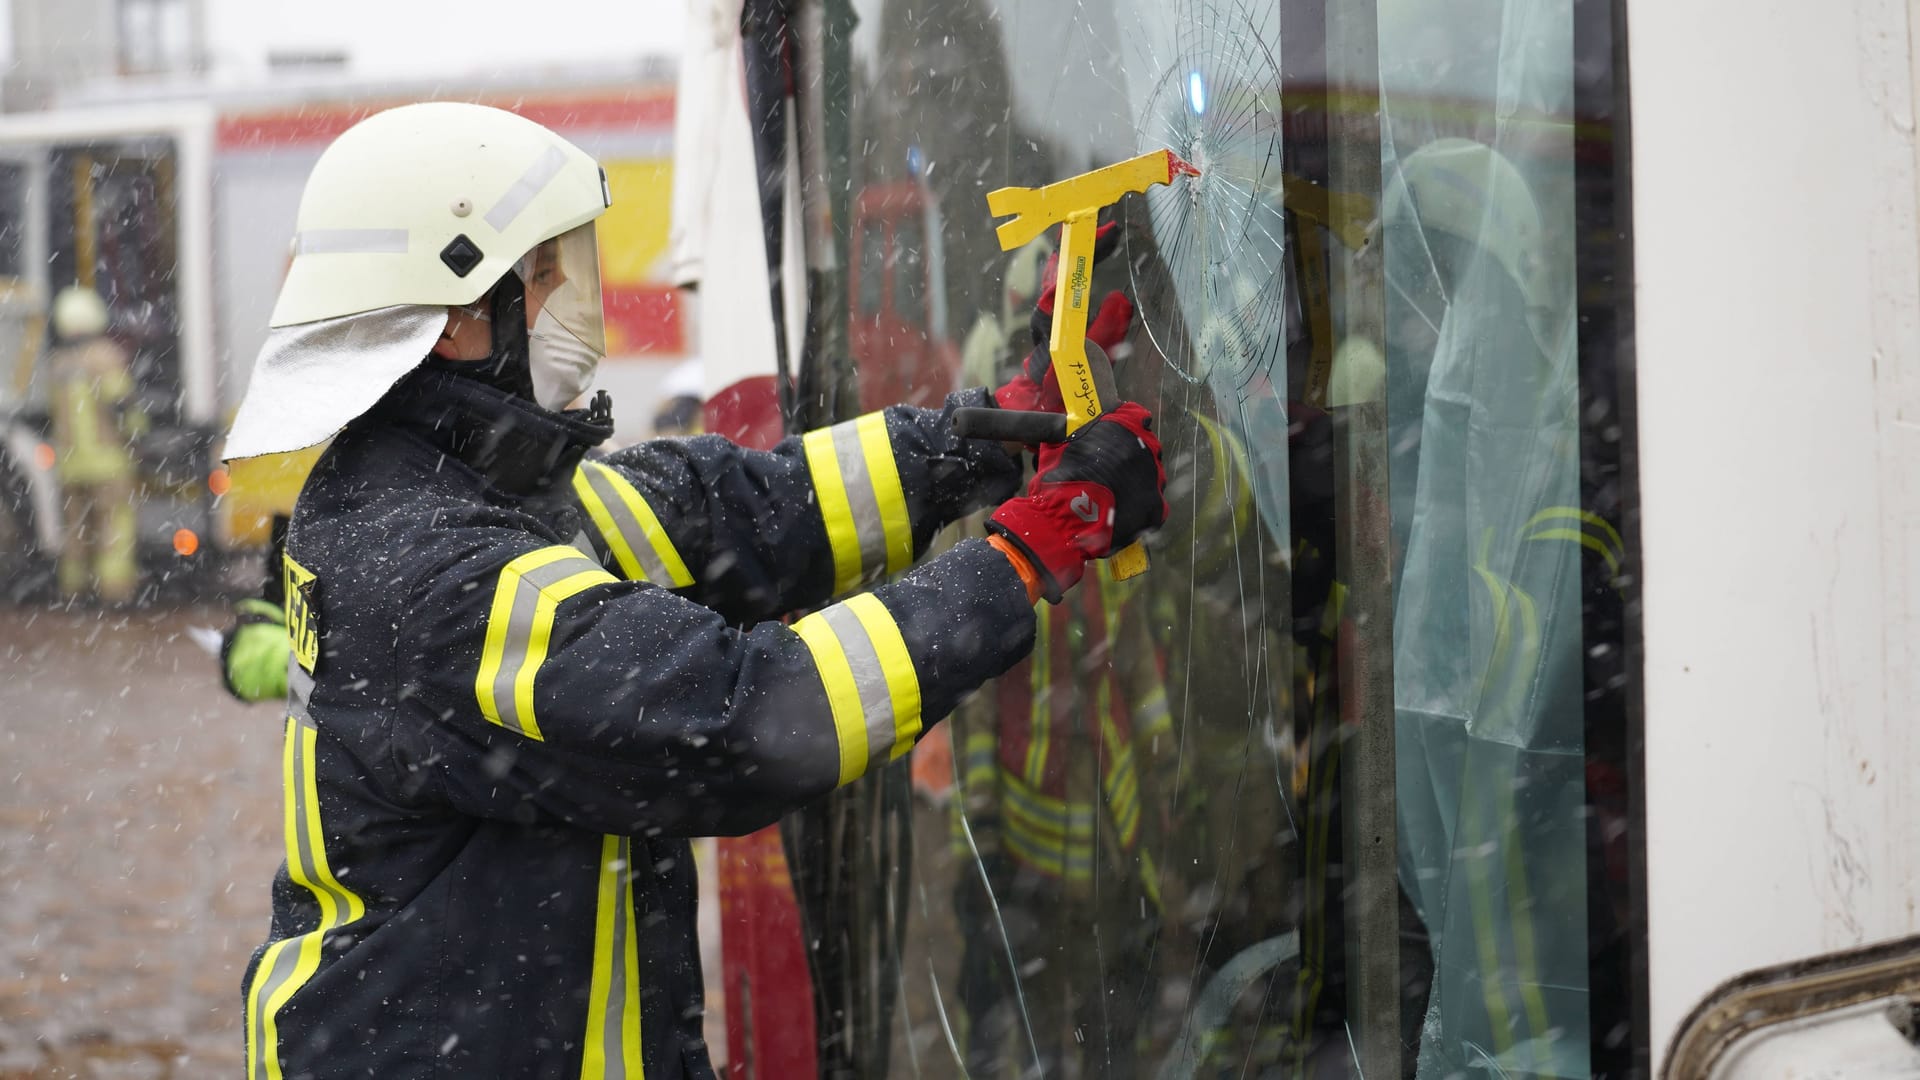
<point>1010,425</point>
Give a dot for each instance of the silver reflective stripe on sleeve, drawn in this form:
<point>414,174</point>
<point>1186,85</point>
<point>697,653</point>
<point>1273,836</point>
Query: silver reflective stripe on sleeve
<point>531,183</point>
<point>629,527</point>
<point>872,687</point>
<point>862,504</point>
<point>350,242</point>
<point>519,628</point>
<point>861,501</point>
<point>876,704</point>
<point>299,691</point>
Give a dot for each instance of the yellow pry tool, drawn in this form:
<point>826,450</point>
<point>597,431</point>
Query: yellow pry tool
<point>1074,204</point>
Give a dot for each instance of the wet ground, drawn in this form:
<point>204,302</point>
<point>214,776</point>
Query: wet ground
<point>139,810</point>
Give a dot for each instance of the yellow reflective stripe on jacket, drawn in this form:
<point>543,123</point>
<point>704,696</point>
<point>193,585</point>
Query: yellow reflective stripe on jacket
<point>629,527</point>
<point>520,628</point>
<point>861,501</point>
<point>290,962</point>
<point>869,678</point>
<point>1336,610</point>
<point>1584,540</point>
<point>612,1049</point>
<point>1122,787</point>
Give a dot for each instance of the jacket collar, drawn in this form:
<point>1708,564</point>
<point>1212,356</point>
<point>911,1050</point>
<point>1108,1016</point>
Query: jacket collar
<point>519,447</point>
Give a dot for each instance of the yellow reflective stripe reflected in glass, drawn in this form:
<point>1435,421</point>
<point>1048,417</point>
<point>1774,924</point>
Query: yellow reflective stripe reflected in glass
<point>1585,540</point>
<point>1586,518</point>
<point>1513,665</point>
<point>307,866</point>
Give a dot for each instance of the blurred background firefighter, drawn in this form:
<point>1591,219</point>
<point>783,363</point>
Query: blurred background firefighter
<point>95,420</point>
<point>1057,777</point>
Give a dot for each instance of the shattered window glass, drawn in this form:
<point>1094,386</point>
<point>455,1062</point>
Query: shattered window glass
<point>1337,787</point>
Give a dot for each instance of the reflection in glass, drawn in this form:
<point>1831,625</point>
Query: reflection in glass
<point>1142,854</point>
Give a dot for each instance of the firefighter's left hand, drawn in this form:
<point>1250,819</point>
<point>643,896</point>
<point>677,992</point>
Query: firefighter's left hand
<point>253,653</point>
<point>1093,495</point>
<point>1035,389</point>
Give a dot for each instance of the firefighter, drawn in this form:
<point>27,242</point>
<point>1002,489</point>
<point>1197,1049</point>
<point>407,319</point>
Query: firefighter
<point>517,684</point>
<point>95,421</point>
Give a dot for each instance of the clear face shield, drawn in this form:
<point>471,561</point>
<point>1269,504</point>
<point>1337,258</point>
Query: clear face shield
<point>566,326</point>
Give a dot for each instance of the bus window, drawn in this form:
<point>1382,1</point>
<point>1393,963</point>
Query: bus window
<point>1340,786</point>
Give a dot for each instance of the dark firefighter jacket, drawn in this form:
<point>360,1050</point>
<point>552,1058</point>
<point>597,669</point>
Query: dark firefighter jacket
<point>498,745</point>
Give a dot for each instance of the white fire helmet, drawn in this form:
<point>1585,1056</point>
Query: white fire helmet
<point>78,312</point>
<point>412,211</point>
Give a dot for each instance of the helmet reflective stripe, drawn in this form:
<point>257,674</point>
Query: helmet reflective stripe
<point>531,183</point>
<point>350,242</point>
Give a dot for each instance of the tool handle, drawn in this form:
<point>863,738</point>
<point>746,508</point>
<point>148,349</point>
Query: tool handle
<point>1129,561</point>
<point>1010,425</point>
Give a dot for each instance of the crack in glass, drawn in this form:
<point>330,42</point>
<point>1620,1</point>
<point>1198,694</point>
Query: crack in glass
<point>1214,281</point>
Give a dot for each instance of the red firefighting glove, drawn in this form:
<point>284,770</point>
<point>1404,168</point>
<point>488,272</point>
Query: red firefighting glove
<point>1093,495</point>
<point>1035,389</point>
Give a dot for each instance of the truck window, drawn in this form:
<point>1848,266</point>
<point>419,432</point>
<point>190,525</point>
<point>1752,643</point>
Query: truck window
<point>112,227</point>
<point>13,219</point>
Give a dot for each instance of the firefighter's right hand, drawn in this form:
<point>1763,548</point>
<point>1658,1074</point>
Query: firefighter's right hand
<point>1093,495</point>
